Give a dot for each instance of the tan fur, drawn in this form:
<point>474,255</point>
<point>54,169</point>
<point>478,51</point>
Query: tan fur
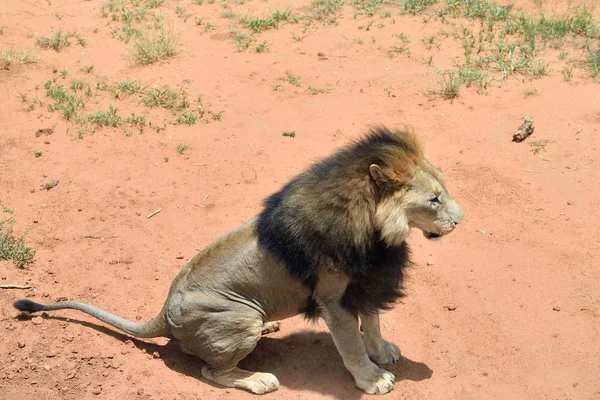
<point>234,290</point>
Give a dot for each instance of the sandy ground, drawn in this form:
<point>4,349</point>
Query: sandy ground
<point>522,270</point>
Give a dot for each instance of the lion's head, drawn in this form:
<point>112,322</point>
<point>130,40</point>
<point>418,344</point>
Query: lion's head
<point>412,191</point>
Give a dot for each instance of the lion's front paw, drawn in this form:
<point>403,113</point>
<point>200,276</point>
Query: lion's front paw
<point>380,382</point>
<point>383,353</point>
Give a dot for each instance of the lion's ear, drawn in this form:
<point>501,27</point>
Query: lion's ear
<point>386,179</point>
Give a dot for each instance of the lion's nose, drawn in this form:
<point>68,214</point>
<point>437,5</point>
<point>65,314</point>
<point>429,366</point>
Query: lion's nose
<point>459,214</point>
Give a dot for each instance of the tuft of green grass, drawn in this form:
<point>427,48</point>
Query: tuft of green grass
<point>538,69</point>
<point>289,133</point>
<point>159,97</point>
<point>449,85</point>
<point>88,69</point>
<point>262,47</point>
<point>326,11</point>
<point>395,50</point>
<point>315,91</point>
<point>242,40</point>
<point>297,38</point>
<point>415,7</point>
<point>530,92</point>
<point>567,73</point>
<point>291,79</point>
<point>149,50</point>
<point>593,62</point>
<point>12,248</point>
<point>106,118</point>
<point>59,41</point>
<point>181,147</point>
<point>10,57</point>
<point>183,13</point>
<point>187,117</point>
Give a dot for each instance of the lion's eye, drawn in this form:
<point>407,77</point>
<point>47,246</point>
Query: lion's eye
<point>435,201</point>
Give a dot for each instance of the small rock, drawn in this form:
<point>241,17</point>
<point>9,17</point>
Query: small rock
<point>97,390</point>
<point>21,344</point>
<point>47,367</point>
<point>140,391</point>
<point>79,209</point>
<point>155,355</point>
<point>485,374</point>
<point>556,308</point>
<point>46,142</point>
<point>35,221</point>
<point>180,257</point>
<point>12,359</point>
<point>569,203</point>
<point>429,262</point>
<point>555,335</point>
<point>451,307</point>
<point>453,375</point>
<point>574,384</point>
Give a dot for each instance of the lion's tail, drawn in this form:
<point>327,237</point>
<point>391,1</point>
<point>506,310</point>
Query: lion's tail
<point>153,328</point>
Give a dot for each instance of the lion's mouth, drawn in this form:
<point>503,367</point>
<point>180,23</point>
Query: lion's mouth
<point>431,235</point>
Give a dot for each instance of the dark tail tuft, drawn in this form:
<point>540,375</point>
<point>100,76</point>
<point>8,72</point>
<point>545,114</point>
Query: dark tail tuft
<point>29,306</point>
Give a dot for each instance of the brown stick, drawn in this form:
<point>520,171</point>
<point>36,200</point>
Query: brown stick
<point>153,213</point>
<point>12,286</point>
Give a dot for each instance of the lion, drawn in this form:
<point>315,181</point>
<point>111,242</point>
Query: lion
<point>330,244</point>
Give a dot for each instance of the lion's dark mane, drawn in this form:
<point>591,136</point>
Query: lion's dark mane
<point>309,224</point>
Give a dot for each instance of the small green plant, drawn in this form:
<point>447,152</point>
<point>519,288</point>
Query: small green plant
<point>315,91</point>
<point>530,92</point>
<point>183,13</point>
<point>297,37</point>
<point>149,50</point>
<point>181,147</point>
<point>539,145</point>
<point>10,57</point>
<point>326,10</point>
<point>159,97</point>
<point>262,47</point>
<point>291,79</point>
<point>87,69</point>
<point>187,117</point>
<point>449,85</point>
<point>12,248</point>
<point>537,69</point>
<point>414,7</point>
<point>427,61</point>
<point>59,41</point>
<point>429,42</point>
<point>106,118</point>
<point>242,40</point>
<point>395,50</point>
<point>357,40</point>
<point>567,73</point>
<point>216,116</point>
<point>2,29</point>
<point>289,133</point>
<point>401,36</point>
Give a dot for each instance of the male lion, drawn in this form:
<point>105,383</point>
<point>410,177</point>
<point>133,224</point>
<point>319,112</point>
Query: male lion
<point>330,244</point>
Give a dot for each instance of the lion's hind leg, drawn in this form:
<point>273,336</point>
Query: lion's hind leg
<point>222,333</point>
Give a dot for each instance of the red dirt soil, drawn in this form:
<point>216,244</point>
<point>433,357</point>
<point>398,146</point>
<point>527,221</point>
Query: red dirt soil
<point>522,270</point>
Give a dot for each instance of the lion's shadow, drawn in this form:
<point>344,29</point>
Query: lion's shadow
<point>302,361</point>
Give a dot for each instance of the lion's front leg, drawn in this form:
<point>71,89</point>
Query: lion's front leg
<point>379,350</point>
<point>346,336</point>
